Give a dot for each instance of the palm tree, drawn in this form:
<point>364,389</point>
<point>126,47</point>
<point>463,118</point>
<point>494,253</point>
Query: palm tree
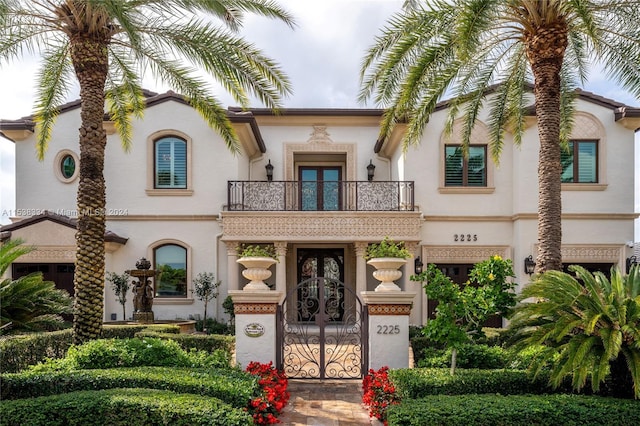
<point>475,48</point>
<point>589,325</point>
<point>29,302</point>
<point>108,45</point>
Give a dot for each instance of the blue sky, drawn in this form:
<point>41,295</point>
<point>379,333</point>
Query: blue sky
<point>321,57</point>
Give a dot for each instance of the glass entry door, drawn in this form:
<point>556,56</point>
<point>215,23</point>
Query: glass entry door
<point>320,263</point>
<point>320,188</point>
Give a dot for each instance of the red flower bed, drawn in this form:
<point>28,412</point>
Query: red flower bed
<point>379,393</point>
<point>267,407</point>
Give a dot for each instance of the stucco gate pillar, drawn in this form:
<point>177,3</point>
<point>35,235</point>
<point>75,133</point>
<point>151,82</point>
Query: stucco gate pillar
<point>255,313</point>
<point>388,328</point>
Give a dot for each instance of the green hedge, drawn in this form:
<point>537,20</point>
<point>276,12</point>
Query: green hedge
<point>229,385</point>
<point>419,382</point>
<point>20,351</point>
<point>515,410</point>
<point>130,407</point>
<point>199,342</point>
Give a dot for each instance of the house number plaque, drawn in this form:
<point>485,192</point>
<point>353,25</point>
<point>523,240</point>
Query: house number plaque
<point>254,329</point>
<point>465,237</point>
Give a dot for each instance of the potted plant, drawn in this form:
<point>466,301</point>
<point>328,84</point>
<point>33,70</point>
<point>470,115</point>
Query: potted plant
<point>257,259</point>
<point>387,257</point>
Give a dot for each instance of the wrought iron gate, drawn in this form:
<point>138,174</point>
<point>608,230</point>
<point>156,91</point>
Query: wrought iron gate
<point>322,331</point>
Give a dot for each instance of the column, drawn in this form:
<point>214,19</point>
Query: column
<point>232,266</point>
<point>256,325</point>
<point>408,285</point>
<point>388,328</point>
<point>281,266</point>
<point>361,266</point>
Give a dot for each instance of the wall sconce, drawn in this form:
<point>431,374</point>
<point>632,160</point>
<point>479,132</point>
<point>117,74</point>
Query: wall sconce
<point>417,265</point>
<point>631,261</point>
<point>269,168</point>
<point>529,265</point>
<point>371,170</point>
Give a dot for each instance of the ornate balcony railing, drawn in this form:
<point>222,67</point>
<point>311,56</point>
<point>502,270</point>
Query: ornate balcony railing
<point>320,196</point>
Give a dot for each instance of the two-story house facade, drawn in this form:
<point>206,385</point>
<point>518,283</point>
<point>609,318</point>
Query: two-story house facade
<point>320,187</point>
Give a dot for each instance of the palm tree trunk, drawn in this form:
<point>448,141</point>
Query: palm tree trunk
<point>545,51</point>
<point>90,61</point>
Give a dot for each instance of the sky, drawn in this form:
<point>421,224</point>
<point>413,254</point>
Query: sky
<point>321,56</point>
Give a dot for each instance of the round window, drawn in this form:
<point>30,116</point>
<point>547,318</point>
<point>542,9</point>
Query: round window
<point>68,166</point>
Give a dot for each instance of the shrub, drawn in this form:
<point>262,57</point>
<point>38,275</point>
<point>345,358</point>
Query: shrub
<point>378,393</point>
<point>29,302</point>
<point>230,385</point>
<point>18,352</point>
<point>213,326</point>
<point>469,356</point>
<point>516,410</point>
<point>419,382</point>
<point>387,248</point>
<point>208,343</point>
<point>132,407</point>
<point>265,408</point>
<point>590,325</point>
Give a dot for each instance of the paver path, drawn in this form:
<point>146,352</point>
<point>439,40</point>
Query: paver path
<point>325,403</point>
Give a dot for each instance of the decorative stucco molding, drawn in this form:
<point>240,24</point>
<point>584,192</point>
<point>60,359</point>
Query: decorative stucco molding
<point>254,308</point>
<point>389,309</point>
<point>50,254</point>
<point>596,253</point>
<point>320,226</point>
<point>320,142</point>
<point>466,254</point>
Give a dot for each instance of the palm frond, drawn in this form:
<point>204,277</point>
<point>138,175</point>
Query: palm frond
<point>53,85</point>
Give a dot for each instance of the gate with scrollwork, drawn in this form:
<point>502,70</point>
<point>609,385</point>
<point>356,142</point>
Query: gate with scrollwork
<point>322,331</point>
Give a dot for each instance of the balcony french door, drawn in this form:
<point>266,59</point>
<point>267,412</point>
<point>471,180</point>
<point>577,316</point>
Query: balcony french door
<point>320,188</point>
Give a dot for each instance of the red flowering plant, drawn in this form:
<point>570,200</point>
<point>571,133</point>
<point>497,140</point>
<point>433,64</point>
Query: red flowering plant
<point>274,398</point>
<point>379,393</point>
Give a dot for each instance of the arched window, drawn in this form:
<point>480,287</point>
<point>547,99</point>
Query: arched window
<point>171,268</point>
<point>170,155</point>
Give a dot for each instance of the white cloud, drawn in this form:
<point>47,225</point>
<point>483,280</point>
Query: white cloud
<point>321,56</point>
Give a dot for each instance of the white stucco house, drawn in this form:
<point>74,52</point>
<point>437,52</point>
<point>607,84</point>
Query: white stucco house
<point>180,199</point>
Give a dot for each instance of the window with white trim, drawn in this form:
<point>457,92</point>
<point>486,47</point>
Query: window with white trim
<point>170,155</point>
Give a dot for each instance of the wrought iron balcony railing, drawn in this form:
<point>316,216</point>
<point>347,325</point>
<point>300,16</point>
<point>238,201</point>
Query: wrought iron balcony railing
<point>320,196</point>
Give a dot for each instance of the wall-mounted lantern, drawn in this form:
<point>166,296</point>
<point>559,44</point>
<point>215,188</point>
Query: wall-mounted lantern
<point>371,170</point>
<point>417,265</point>
<point>269,168</point>
<point>631,262</point>
<point>529,265</point>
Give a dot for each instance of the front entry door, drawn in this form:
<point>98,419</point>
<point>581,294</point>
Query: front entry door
<point>324,263</point>
<point>321,329</point>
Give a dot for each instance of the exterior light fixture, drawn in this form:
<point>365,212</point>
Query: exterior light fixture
<point>529,265</point>
<point>269,168</point>
<point>371,170</point>
<point>631,262</point>
<point>417,265</point>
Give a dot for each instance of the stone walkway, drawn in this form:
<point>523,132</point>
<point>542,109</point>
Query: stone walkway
<point>325,403</point>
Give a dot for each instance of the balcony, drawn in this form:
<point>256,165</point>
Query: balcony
<point>363,196</point>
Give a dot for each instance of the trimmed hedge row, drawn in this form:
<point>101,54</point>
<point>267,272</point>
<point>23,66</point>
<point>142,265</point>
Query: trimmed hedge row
<point>130,407</point>
<point>515,410</point>
<point>419,382</point>
<point>201,342</point>
<point>18,352</point>
<point>229,385</point>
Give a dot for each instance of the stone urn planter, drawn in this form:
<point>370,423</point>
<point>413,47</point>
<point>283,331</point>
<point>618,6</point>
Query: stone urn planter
<point>387,271</point>
<point>387,257</point>
<point>257,270</point>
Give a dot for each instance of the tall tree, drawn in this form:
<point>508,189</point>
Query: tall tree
<point>108,45</point>
<point>474,48</point>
